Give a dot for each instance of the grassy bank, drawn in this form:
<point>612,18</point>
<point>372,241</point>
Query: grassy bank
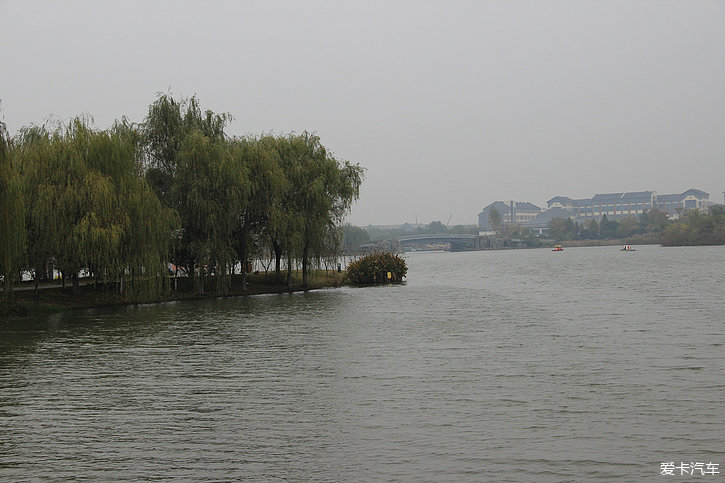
<point>56,299</point>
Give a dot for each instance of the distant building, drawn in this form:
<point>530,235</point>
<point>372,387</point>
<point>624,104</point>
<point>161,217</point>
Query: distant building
<point>622,205</point>
<point>614,205</point>
<point>510,211</point>
<point>691,199</point>
<point>540,224</point>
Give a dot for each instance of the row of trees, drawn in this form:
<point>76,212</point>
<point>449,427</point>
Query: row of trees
<point>696,228</point>
<point>354,236</point>
<point>652,221</point>
<point>692,228</point>
<point>567,229</point>
<point>120,204</point>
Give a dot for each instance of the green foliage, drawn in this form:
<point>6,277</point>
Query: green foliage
<point>494,219</point>
<point>320,191</point>
<point>653,220</point>
<point>353,237</point>
<point>567,229</point>
<point>627,227</point>
<point>123,202</point>
<point>697,228</point>
<point>168,122</point>
<point>562,229</point>
<point>88,206</point>
<point>693,228</point>
<point>607,228</point>
<point>436,227</point>
<point>12,214</point>
<point>207,191</point>
<point>374,268</point>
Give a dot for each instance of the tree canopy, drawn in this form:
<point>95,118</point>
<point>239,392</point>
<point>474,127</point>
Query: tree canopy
<point>120,204</point>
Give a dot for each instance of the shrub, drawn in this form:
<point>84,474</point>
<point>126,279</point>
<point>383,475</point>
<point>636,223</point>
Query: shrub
<point>374,268</point>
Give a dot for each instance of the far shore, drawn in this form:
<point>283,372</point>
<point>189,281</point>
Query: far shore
<point>608,243</point>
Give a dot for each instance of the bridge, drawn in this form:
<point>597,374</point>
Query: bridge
<point>456,242</point>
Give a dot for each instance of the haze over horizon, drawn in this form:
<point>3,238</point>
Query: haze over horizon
<point>448,105</point>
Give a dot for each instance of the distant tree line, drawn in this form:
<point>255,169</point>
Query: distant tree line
<point>354,236</point>
<point>697,228</point>
<point>119,204</point>
<point>652,221</point>
<point>692,228</point>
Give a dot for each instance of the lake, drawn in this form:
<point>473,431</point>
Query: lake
<point>517,365</point>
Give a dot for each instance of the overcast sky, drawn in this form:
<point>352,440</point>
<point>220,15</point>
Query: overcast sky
<point>449,105</point>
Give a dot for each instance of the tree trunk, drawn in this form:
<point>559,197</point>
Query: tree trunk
<point>76,284</point>
<point>289,272</point>
<point>9,287</point>
<point>305,253</point>
<point>277,260</point>
<point>202,274</point>
<point>243,257</point>
<point>192,276</point>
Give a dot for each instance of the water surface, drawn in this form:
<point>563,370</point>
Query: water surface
<point>526,365</point>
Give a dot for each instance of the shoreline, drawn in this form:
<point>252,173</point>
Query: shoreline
<point>57,299</point>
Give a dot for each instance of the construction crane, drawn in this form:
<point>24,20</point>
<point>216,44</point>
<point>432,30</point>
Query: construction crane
<point>449,220</point>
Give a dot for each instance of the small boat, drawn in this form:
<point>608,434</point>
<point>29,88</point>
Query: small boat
<point>627,248</point>
<point>558,248</point>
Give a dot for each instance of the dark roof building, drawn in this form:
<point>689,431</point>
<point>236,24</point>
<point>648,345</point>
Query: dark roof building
<point>632,203</point>
<point>511,211</point>
<point>614,205</point>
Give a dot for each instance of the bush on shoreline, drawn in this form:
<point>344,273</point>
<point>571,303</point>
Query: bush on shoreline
<point>376,268</point>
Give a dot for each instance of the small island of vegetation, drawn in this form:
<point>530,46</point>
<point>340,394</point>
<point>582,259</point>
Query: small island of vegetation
<point>375,268</point>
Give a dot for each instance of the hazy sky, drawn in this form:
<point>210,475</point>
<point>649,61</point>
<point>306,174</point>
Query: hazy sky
<point>449,105</point>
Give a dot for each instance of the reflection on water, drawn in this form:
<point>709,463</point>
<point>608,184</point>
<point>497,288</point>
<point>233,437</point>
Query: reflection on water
<point>485,366</point>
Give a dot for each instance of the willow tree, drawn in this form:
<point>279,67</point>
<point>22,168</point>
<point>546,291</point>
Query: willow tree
<point>12,216</point>
<point>208,193</point>
<point>324,190</point>
<point>32,147</point>
<point>285,225</point>
<point>278,221</point>
<point>88,205</point>
<point>257,159</point>
<point>164,131</point>
<point>168,122</point>
<point>57,174</point>
<point>148,226</point>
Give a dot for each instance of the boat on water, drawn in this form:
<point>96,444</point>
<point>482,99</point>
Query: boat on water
<point>627,248</point>
<point>558,248</point>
